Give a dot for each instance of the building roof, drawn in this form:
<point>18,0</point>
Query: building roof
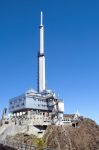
<point>69,116</point>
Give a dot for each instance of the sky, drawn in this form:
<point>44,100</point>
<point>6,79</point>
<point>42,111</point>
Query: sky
<point>71,50</point>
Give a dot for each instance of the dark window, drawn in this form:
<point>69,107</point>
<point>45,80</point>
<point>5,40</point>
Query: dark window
<point>22,104</point>
<point>15,101</point>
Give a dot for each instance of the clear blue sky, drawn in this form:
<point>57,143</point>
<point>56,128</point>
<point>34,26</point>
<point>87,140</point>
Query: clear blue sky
<point>71,47</point>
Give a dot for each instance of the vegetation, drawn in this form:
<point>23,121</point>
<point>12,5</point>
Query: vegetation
<point>40,144</point>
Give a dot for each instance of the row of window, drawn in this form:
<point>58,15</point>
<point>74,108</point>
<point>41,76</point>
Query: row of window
<point>42,105</point>
<point>23,105</point>
<point>66,120</point>
<point>23,98</point>
<point>41,100</point>
<point>18,105</point>
<point>17,100</point>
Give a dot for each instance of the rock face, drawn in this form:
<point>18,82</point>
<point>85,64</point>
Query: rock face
<point>83,137</point>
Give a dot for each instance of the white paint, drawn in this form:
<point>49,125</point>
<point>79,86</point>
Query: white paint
<point>18,114</point>
<point>41,63</point>
<point>41,40</point>
<point>61,106</point>
<point>41,73</point>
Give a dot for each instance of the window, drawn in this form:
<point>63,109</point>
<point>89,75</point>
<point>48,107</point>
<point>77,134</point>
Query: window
<point>23,98</point>
<point>15,101</point>
<point>22,104</point>
<point>20,99</point>
<point>10,103</point>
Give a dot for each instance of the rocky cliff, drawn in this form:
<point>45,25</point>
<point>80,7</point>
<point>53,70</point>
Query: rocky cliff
<point>84,137</point>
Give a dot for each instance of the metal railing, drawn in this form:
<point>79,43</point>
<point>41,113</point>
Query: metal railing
<point>21,146</point>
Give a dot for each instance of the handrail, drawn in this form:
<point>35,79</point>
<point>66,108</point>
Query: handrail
<point>18,145</point>
<point>23,146</point>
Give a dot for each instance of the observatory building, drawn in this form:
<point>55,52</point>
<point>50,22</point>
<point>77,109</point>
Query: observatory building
<point>43,103</point>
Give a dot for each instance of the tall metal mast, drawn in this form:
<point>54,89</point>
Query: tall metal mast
<point>41,59</point>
